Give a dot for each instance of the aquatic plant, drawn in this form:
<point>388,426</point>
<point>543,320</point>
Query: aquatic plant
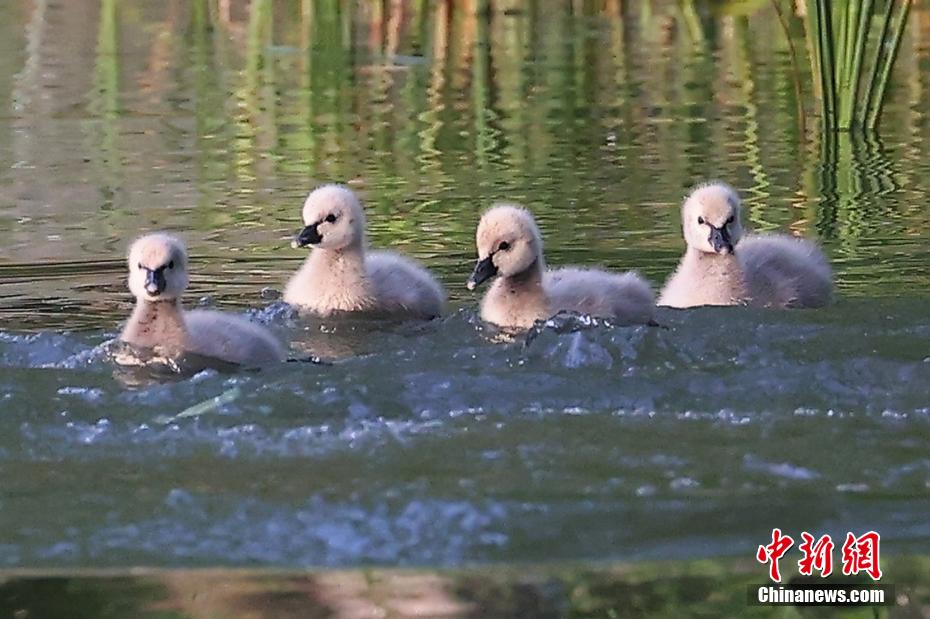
<point>852,91</point>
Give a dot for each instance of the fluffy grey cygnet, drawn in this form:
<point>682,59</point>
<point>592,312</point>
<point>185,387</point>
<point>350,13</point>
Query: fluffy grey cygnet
<point>340,275</point>
<point>158,278</point>
<point>510,247</point>
<point>722,267</point>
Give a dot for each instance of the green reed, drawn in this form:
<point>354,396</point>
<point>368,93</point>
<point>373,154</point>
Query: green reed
<point>852,90</point>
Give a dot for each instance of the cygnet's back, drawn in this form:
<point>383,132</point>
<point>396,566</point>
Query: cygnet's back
<point>625,297</point>
<point>402,286</point>
<point>783,271</point>
<point>231,338</point>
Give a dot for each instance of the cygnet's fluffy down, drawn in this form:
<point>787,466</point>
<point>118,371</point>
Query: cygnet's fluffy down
<point>158,278</point>
<point>510,247</point>
<point>784,271</point>
<point>721,268</point>
<point>341,276</point>
<point>622,296</point>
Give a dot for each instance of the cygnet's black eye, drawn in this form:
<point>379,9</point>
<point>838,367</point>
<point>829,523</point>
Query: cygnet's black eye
<point>731,219</point>
<point>171,264</point>
<point>504,246</point>
<point>700,220</point>
<point>330,218</point>
<point>140,266</point>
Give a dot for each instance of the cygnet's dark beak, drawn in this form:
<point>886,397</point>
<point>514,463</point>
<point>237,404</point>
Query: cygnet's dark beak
<point>308,236</point>
<point>155,281</point>
<point>720,240</point>
<point>484,270</point>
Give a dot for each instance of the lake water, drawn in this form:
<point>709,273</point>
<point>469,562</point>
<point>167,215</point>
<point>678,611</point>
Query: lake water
<point>437,444</point>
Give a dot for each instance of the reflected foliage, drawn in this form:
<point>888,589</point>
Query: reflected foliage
<point>688,589</point>
<point>214,117</point>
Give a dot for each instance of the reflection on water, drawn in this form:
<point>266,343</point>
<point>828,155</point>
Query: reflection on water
<point>700,589</point>
<point>436,444</point>
<point>215,117</point>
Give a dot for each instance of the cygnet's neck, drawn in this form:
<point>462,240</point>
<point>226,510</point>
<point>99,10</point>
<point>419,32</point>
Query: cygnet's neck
<point>720,276</point>
<point>343,267</point>
<point>342,257</point>
<point>518,300</point>
<point>333,280</point>
<point>156,323</point>
<point>710,260</point>
<point>529,282</point>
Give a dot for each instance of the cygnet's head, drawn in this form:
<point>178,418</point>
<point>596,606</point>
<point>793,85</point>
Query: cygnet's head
<point>333,219</point>
<point>711,218</point>
<point>508,243</point>
<point>157,267</point>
